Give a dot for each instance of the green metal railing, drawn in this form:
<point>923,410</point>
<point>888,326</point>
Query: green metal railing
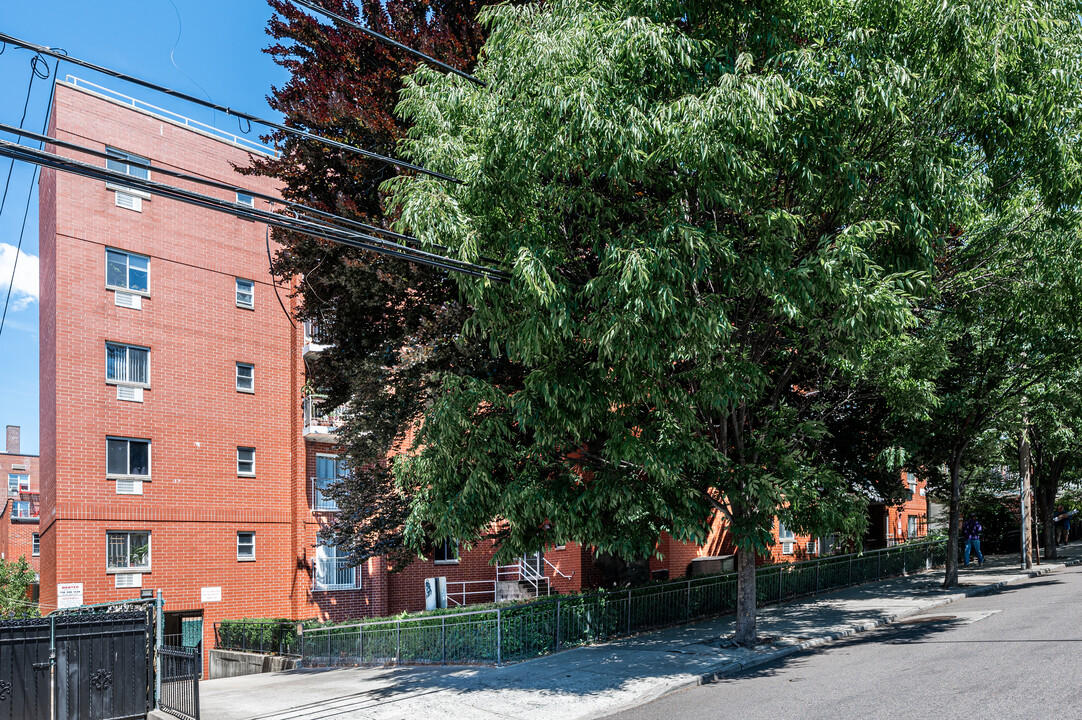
<point>516,633</point>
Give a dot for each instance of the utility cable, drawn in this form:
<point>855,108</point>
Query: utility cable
<point>305,211</point>
<point>41,49</point>
<point>35,72</point>
<point>387,41</point>
<point>311,228</point>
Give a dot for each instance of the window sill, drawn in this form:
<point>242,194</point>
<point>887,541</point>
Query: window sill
<point>246,475</point>
<point>240,559</point>
<point>143,478</point>
<point>130,190</point>
<point>246,392</point>
<point>128,571</point>
<point>121,383</point>
<point>335,588</point>
<point>445,562</point>
<point>142,293</point>
<point>245,307</point>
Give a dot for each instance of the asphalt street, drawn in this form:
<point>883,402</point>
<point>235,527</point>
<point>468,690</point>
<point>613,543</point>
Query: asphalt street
<point>1013,653</point>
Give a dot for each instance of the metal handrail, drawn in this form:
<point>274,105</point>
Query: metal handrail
<point>242,142</point>
<point>557,570</point>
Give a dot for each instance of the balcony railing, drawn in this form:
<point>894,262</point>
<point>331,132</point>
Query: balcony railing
<point>321,500</point>
<point>319,423</point>
<point>333,573</point>
<point>25,509</point>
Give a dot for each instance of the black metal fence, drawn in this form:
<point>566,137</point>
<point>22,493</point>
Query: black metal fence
<point>180,670</point>
<point>260,636</point>
<point>521,632</point>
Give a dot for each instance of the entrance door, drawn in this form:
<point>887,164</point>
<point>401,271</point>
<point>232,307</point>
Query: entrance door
<point>535,562</point>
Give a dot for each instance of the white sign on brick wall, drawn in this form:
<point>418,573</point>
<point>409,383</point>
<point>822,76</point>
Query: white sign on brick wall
<point>210,594</point>
<point>69,595</point>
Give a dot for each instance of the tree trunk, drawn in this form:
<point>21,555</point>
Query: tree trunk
<point>951,577</point>
<point>1024,468</point>
<point>745,597</point>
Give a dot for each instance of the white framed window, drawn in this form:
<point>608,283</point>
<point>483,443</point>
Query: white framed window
<point>127,458</point>
<point>127,163</point>
<point>245,377</point>
<point>332,570</point>
<point>245,294</point>
<point>446,553</point>
<point>784,533</point>
<point>913,526</point>
<point>245,461</point>
<point>245,199</point>
<point>912,480</point>
<point>127,364</point>
<point>22,509</point>
<point>329,470</point>
<point>127,551</point>
<point>18,483</point>
<point>127,271</point>
<point>245,545</point>
<point>35,549</point>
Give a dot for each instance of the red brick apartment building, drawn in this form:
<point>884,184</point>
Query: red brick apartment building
<point>19,511</point>
<point>178,449</point>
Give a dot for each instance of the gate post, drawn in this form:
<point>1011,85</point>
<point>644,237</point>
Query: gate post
<point>557,623</point>
<point>629,611</point>
<point>443,638</point>
<point>52,667</point>
<point>499,638</point>
<point>159,631</point>
<point>398,642</point>
<point>816,575</point>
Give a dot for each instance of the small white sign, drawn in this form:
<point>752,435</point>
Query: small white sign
<point>69,595</point>
<point>210,594</point>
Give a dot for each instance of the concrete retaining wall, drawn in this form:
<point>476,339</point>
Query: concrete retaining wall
<point>231,663</point>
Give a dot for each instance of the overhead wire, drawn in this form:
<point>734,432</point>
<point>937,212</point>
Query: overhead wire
<point>387,41</point>
<point>312,228</point>
<point>41,49</point>
<point>306,210</point>
<point>35,72</point>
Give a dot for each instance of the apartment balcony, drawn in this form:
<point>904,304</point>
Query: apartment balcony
<point>320,426</point>
<point>321,500</point>
<point>27,508</point>
<point>314,342</point>
<point>333,573</point>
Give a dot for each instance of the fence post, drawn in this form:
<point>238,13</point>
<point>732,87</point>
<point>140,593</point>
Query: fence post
<point>328,646</point>
<point>850,569</point>
<point>398,642</point>
<point>629,611</point>
<point>557,623</point>
<point>879,565</point>
<point>816,574</point>
<point>780,593</point>
<point>360,643</point>
<point>903,561</point>
<point>499,637</point>
<point>689,600</point>
<point>443,639</point>
<point>159,624</point>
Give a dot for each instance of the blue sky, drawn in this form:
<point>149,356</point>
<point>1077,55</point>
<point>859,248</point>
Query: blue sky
<point>217,55</point>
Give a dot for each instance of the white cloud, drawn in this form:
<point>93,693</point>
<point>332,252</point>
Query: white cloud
<point>24,291</point>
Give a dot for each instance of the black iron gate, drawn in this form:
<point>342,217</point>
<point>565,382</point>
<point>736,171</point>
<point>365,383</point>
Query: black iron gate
<point>180,670</point>
<point>102,671</point>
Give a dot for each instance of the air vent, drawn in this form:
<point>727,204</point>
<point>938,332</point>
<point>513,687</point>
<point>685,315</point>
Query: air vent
<point>129,487</point>
<point>129,393</point>
<point>15,468</point>
<point>128,300</point>
<point>129,580</point>
<point>129,201</point>
<point>787,548</point>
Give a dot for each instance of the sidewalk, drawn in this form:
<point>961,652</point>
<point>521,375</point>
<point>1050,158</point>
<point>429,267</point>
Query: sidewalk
<point>595,681</point>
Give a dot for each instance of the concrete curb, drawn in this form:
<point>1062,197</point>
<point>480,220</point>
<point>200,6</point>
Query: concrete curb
<point>732,668</point>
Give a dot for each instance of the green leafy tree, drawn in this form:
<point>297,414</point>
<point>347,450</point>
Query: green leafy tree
<point>706,207</point>
<point>16,577</point>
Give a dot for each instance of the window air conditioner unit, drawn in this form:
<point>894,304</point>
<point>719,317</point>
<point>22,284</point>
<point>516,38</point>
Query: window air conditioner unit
<point>129,201</point>
<point>129,487</point>
<point>128,300</point>
<point>787,548</point>
<point>129,580</point>
<point>129,393</point>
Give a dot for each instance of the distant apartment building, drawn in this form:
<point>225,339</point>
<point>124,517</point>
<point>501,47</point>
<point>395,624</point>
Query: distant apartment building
<point>180,449</point>
<point>19,513</point>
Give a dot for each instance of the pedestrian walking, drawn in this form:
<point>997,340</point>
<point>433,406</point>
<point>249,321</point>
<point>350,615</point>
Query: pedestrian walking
<point>971,530</point>
<point>1063,525</point>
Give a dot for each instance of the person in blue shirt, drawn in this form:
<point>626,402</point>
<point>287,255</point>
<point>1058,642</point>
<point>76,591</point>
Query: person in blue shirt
<point>971,531</point>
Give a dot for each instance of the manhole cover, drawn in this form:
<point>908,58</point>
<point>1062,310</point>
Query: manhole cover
<point>931,619</point>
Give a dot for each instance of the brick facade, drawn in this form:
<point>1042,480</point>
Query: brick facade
<point>19,502</point>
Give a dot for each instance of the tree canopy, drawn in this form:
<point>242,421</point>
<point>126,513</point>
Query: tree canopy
<point>709,209</point>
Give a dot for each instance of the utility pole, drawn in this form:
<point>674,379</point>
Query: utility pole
<point>1026,493</point>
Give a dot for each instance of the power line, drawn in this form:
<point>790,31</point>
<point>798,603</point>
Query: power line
<point>305,210</point>
<point>303,226</point>
<point>209,182</point>
<point>34,73</point>
<point>387,41</point>
<point>41,49</point>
